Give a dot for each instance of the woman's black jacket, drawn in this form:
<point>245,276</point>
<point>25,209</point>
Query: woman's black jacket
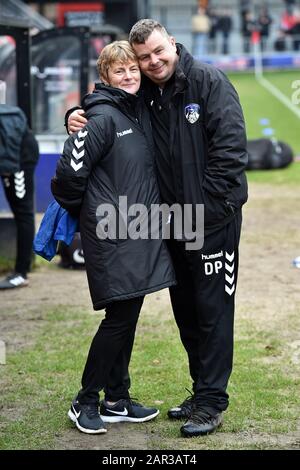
<point>106,169</point>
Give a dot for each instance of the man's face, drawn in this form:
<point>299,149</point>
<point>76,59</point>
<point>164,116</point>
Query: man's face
<point>157,57</point>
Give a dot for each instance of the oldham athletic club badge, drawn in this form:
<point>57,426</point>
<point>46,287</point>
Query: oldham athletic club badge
<point>192,112</point>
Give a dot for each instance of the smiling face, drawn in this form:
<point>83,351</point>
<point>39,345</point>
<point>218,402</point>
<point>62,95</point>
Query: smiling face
<point>126,76</point>
<point>157,57</point>
<point>118,67</point>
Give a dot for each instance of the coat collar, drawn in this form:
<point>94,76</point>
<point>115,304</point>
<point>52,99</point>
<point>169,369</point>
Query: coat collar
<point>183,66</point>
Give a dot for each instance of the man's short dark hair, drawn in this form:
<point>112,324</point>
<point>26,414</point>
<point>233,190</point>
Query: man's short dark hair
<point>141,30</point>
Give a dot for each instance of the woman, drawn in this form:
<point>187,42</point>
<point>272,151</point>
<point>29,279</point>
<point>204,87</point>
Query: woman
<point>109,160</point>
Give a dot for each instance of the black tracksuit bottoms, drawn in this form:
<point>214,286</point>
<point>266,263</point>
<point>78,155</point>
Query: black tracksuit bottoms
<point>19,191</point>
<point>203,306</point>
<point>110,353</point>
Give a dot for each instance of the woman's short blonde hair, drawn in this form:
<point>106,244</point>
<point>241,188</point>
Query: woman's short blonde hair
<point>117,51</point>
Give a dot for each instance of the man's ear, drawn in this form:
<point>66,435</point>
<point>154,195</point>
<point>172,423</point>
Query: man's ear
<point>172,41</point>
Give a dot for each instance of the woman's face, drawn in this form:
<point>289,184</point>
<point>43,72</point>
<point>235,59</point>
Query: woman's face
<point>126,76</point>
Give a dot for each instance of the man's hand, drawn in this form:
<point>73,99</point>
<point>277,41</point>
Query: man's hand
<point>76,121</point>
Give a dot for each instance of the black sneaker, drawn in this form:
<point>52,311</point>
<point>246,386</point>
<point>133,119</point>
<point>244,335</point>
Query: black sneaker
<point>86,417</point>
<point>14,280</point>
<point>201,423</point>
<point>126,410</point>
<point>184,410</point>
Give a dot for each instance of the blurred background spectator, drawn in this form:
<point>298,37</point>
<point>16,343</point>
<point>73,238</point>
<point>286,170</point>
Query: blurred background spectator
<point>295,30</point>
<point>200,30</point>
<point>212,36</point>
<point>289,5</point>
<point>224,25</point>
<point>290,24</point>
<point>264,22</point>
<point>280,41</point>
<point>248,27</point>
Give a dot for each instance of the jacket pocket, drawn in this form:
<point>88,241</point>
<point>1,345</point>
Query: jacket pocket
<point>216,209</point>
<point>239,194</point>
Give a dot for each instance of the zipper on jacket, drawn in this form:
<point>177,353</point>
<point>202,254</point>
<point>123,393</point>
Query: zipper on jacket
<point>172,157</point>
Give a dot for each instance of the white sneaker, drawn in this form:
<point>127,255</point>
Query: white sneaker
<point>14,280</point>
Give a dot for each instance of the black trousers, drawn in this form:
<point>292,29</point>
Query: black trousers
<point>19,191</point>
<point>203,306</point>
<point>110,352</point>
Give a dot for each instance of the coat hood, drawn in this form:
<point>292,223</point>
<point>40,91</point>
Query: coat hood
<point>105,94</point>
<point>185,62</point>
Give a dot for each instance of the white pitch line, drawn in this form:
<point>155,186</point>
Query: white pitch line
<point>279,95</point>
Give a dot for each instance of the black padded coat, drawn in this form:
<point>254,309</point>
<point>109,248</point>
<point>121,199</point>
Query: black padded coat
<point>113,157</point>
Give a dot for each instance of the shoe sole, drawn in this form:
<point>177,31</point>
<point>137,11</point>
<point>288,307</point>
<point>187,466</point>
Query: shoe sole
<point>119,419</point>
<point>14,287</point>
<point>86,431</point>
<point>198,434</point>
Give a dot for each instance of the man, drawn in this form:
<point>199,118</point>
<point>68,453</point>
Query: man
<point>199,132</point>
<point>18,158</point>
